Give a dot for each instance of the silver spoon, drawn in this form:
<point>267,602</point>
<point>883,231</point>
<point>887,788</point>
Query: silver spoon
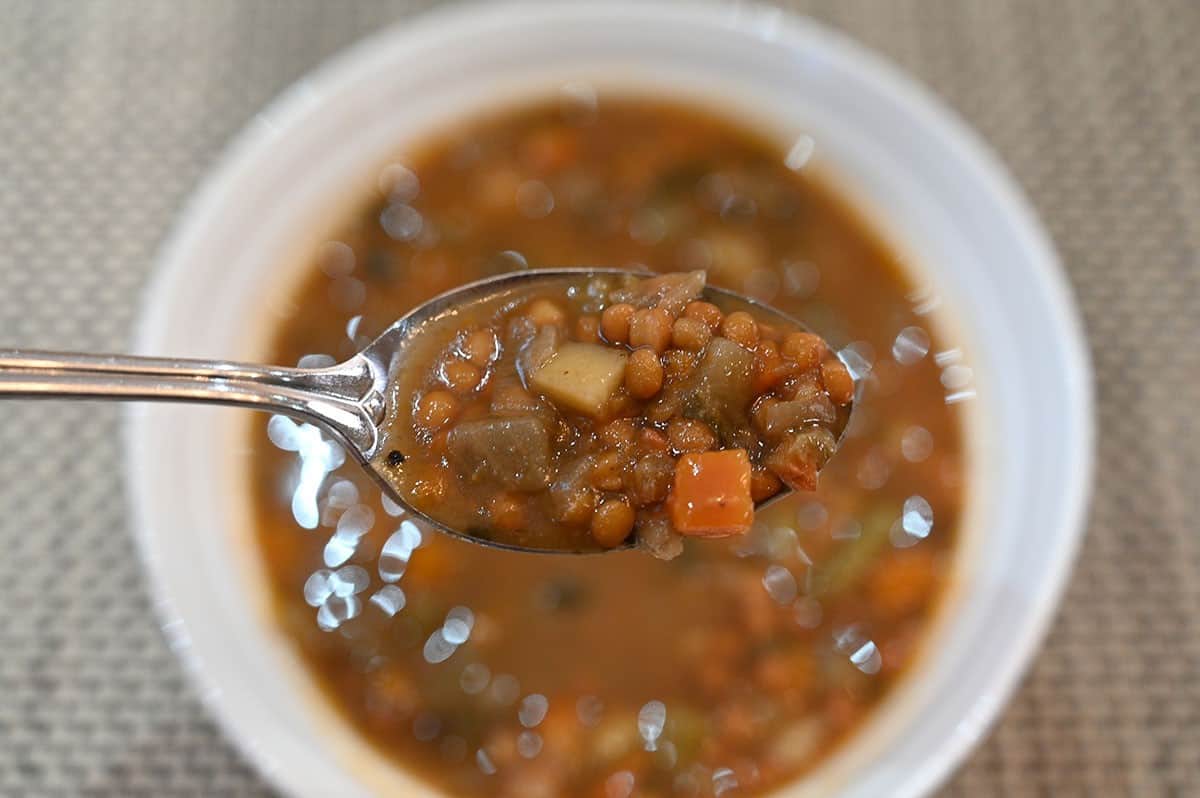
<point>349,400</point>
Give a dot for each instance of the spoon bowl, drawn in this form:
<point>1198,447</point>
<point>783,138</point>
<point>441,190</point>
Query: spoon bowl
<point>412,337</point>
<point>353,400</point>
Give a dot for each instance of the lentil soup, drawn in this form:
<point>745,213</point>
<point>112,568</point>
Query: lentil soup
<point>581,411</point>
<point>732,669</point>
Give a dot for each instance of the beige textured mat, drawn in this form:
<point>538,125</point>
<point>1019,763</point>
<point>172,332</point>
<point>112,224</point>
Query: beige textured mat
<point>110,111</point>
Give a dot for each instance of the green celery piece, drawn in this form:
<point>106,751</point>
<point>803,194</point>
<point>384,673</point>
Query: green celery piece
<point>850,562</point>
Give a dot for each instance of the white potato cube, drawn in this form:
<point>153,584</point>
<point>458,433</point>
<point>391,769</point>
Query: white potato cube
<point>581,377</point>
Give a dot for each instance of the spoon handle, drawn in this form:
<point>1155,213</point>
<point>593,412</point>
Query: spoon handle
<point>344,398</point>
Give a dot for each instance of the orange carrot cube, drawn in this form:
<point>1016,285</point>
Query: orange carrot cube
<point>711,494</point>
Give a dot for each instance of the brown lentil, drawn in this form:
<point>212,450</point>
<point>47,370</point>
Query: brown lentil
<point>690,334</point>
<point>689,435</point>
<point>436,409</point>
<point>614,323</point>
<point>643,374</point>
<point>741,328</point>
<point>804,348</point>
<point>480,346</point>
<point>545,313</point>
<point>651,327</point>
<point>677,364</point>
<point>652,475</point>
<point>461,376</point>
<point>612,522</point>
<point>706,312</point>
<point>837,381</point>
<point>769,367</point>
<point>619,433</point>
<point>608,471</point>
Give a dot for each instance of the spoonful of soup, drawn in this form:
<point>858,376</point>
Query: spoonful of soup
<point>561,410</point>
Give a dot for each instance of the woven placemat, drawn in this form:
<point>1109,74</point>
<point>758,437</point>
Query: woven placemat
<point>110,112</point>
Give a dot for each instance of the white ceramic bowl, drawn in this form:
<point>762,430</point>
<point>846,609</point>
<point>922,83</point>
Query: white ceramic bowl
<point>926,179</point>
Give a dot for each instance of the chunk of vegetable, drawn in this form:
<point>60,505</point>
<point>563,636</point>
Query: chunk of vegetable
<point>538,349</point>
<point>513,453</point>
<point>510,399</point>
<point>799,459</point>
<point>655,535</point>
<point>720,389</point>
<point>571,496</point>
<point>854,558</point>
<point>581,377</point>
<point>780,418</point>
<point>671,292</point>
<point>711,494</point>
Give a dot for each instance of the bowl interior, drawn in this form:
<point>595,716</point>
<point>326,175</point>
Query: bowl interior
<point>228,272</point>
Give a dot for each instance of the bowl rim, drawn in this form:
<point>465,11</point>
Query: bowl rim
<point>291,104</point>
